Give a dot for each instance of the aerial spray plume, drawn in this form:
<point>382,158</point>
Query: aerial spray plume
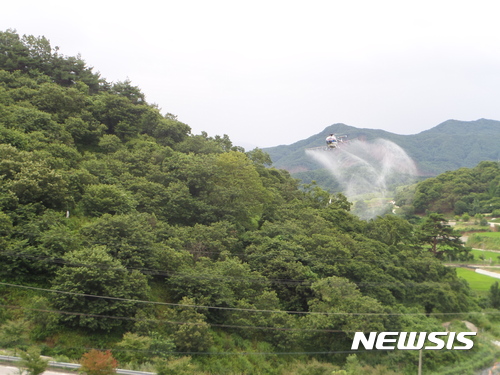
<point>367,171</point>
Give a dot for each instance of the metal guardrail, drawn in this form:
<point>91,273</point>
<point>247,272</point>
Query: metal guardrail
<point>9,358</point>
<point>75,366</point>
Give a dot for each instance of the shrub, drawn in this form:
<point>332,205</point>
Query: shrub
<point>179,366</point>
<point>97,362</point>
<point>32,363</point>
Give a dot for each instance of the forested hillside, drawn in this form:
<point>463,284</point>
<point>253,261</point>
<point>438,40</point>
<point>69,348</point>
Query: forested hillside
<point>448,146</point>
<point>122,230</point>
<point>466,190</point>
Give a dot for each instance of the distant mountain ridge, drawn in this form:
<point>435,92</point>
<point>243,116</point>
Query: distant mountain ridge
<point>448,146</point>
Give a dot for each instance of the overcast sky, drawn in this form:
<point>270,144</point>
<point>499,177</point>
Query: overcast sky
<point>275,72</point>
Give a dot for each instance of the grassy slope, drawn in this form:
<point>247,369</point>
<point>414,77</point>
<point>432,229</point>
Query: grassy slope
<point>486,240</point>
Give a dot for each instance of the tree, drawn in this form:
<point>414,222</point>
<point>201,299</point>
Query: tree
<point>110,143</point>
<point>24,53</point>
<point>5,228</point>
<point>134,348</point>
<point>14,334</point>
<point>125,88</point>
<point>169,131</point>
<point>179,366</point>
<point>439,237</point>
<point>390,229</point>
<point>128,238</point>
<point>461,207</point>
<point>238,194</point>
<point>441,297</point>
<point>205,240</point>
<point>495,295</point>
<point>85,130</point>
<point>32,363</point>
<point>151,197</point>
<point>194,334</point>
<point>316,196</point>
<point>93,271</point>
<point>43,322</point>
<point>107,199</point>
<point>121,116</point>
<point>60,102</point>
<point>38,182</point>
<point>352,366</point>
<point>97,362</point>
<point>339,295</point>
<point>220,283</point>
<point>259,157</point>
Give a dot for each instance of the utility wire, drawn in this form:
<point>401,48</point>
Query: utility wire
<point>174,322</point>
<point>168,303</point>
<point>241,353</point>
<point>242,309</point>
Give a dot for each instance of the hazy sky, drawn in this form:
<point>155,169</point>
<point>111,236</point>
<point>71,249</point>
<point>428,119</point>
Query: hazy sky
<point>274,72</point>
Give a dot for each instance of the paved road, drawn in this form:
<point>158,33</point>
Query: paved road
<point>62,365</point>
<point>496,275</point>
<point>12,370</point>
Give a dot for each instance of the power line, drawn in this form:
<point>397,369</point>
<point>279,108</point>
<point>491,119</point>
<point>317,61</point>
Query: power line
<point>175,322</point>
<point>244,353</point>
<point>230,353</point>
<point>214,325</point>
<point>241,309</point>
<point>166,303</point>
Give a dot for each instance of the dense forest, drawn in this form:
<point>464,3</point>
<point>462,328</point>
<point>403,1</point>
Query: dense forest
<point>466,190</point>
<point>121,230</point>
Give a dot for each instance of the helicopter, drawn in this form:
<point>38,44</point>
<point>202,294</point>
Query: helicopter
<point>333,141</point>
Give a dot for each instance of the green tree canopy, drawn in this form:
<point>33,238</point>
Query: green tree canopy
<point>93,271</point>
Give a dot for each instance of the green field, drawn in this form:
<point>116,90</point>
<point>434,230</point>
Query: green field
<point>476,281</point>
<point>487,255</point>
<point>489,234</point>
<point>485,240</point>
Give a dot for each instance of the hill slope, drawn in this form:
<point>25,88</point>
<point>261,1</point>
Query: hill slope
<point>121,230</point>
<point>448,146</point>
